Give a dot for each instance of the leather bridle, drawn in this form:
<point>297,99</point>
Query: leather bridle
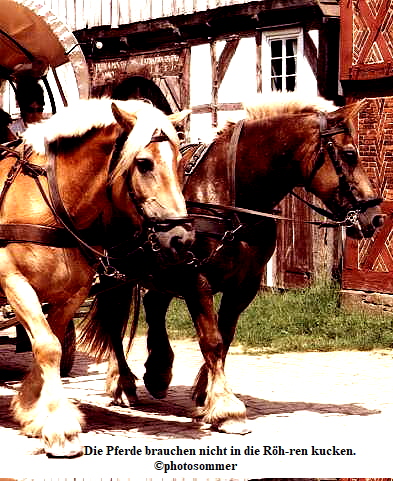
<point>348,217</point>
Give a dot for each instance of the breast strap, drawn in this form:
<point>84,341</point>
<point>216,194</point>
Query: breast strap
<point>38,234</point>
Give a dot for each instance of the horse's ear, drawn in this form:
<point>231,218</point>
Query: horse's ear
<point>177,117</point>
<point>349,111</point>
<point>125,119</point>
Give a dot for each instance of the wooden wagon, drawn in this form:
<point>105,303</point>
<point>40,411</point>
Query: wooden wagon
<point>35,43</point>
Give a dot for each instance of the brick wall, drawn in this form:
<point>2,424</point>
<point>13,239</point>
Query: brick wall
<point>375,140</point>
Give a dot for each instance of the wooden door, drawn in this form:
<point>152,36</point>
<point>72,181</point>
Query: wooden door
<point>294,253</point>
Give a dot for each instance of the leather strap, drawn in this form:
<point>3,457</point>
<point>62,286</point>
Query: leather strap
<point>54,192</point>
<point>38,234</point>
<point>231,165</point>
<point>198,155</point>
<point>212,226</point>
<point>60,212</point>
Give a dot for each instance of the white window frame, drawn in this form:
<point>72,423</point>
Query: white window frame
<point>267,38</point>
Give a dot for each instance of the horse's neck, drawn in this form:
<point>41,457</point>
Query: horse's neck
<point>268,165</point>
<point>269,162</point>
<point>82,178</point>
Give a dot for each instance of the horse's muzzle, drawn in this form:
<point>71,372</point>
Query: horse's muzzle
<point>175,239</point>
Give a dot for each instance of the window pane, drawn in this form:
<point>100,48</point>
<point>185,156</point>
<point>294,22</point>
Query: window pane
<point>291,66</point>
<point>277,67</point>
<point>276,47</point>
<point>291,47</point>
<point>276,83</point>
<point>290,83</point>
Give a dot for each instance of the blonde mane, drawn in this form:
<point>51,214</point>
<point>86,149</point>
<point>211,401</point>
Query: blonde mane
<point>275,104</point>
<point>279,103</point>
<point>84,115</point>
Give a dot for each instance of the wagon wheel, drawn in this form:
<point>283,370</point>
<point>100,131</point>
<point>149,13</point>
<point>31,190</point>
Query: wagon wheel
<point>68,350</point>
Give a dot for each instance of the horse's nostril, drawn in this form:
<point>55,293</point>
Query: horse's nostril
<point>176,242</point>
<point>378,220</point>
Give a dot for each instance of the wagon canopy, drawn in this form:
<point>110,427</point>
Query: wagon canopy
<point>34,40</point>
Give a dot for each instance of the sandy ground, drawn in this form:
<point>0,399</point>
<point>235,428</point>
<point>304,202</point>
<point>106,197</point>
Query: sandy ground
<point>298,405</point>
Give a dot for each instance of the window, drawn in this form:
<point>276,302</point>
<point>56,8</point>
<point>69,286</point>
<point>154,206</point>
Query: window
<point>283,63</point>
<point>284,66</point>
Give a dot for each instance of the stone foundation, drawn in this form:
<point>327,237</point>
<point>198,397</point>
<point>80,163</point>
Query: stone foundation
<point>372,301</point>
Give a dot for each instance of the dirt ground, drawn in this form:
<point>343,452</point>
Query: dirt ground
<point>300,407</point>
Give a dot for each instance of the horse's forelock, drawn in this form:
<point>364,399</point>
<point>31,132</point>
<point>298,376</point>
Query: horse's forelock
<point>150,121</point>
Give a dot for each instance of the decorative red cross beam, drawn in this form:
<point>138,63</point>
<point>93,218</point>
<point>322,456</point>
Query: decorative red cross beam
<point>378,33</point>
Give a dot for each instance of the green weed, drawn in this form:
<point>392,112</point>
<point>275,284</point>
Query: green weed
<point>307,319</point>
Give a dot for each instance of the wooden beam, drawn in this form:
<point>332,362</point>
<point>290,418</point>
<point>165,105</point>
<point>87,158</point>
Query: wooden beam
<point>311,53</point>
<point>214,90</point>
<point>206,108</point>
<point>328,59</point>
<point>346,42</point>
<point>225,59</point>
<point>173,87</point>
<point>258,64</point>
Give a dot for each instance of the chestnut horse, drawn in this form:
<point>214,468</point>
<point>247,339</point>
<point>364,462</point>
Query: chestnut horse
<point>85,164</point>
<point>284,143</point>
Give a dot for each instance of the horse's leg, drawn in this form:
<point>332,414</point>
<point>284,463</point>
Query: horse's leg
<point>233,302</point>
<point>120,380</point>
<point>158,373</point>
<point>41,405</point>
<point>218,405</point>
<point>102,333</point>
<point>115,306</point>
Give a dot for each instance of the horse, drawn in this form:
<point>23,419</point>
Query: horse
<point>94,161</point>
<point>6,134</point>
<point>250,166</point>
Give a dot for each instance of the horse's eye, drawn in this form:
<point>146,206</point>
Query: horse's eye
<point>350,156</point>
<point>144,165</point>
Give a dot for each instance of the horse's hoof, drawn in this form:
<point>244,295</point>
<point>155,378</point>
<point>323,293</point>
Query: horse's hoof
<point>158,390</point>
<point>68,449</point>
<point>125,401</point>
<point>158,394</point>
<point>233,426</point>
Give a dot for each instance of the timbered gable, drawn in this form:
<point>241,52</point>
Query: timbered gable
<point>366,39</point>
<point>368,264</point>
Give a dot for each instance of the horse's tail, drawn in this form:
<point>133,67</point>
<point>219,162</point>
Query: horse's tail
<point>108,317</point>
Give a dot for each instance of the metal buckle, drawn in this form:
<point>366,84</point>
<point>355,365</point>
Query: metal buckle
<point>352,219</point>
<point>153,241</point>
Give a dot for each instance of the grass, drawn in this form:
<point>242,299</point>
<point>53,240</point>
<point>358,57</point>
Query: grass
<point>298,320</point>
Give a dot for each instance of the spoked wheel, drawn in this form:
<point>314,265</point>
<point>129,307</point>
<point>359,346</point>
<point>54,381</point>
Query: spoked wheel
<point>68,350</point>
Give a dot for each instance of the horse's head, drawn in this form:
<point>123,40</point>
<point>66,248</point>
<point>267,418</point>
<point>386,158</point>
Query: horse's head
<point>144,180</point>
<point>337,177</point>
